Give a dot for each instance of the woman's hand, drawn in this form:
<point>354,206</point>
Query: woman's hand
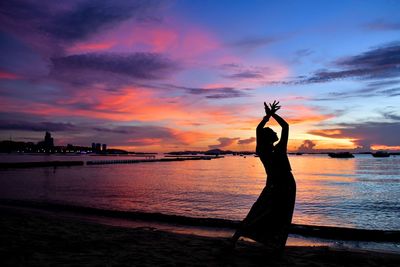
<point>272,108</point>
<point>267,109</point>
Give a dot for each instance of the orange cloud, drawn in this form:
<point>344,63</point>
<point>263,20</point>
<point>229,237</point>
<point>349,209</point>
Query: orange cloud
<point>327,132</point>
<point>145,141</point>
<point>384,147</point>
<point>297,114</point>
<point>322,144</point>
<point>309,119</point>
<point>90,47</point>
<point>127,104</point>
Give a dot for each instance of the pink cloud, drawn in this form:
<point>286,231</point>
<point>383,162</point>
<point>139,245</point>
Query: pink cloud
<point>174,38</point>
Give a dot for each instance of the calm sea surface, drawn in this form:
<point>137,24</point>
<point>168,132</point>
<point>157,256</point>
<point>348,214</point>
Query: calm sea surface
<point>362,192</point>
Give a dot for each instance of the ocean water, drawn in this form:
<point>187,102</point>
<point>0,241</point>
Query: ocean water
<point>361,192</point>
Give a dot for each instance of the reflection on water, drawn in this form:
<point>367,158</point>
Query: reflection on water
<point>362,192</point>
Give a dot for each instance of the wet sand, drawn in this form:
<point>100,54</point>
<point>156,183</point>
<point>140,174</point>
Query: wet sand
<point>31,239</point>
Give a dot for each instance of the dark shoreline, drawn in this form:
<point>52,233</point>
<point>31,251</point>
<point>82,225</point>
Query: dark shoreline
<point>32,237</point>
<point>337,233</point>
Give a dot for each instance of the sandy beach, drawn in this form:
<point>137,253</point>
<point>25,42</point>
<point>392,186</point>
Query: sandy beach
<point>29,239</point>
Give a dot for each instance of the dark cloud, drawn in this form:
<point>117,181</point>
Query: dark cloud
<point>347,94</point>
<point>123,135</point>
<point>391,116</point>
<point>138,131</point>
<point>36,126</point>
<point>326,76</point>
<point>382,25</point>
<point>241,72</point>
<point>72,20</point>
<point>383,83</point>
<point>307,146</point>
<point>378,63</point>
<point>254,42</point>
<point>117,130</point>
<point>238,71</point>
<point>136,65</point>
<point>140,135</point>
<point>360,93</point>
<point>222,93</point>
<point>300,54</point>
<point>381,62</point>
<point>247,141</point>
<point>214,93</point>
<point>36,33</point>
<point>89,17</point>
<point>224,142</point>
<point>18,57</point>
<point>366,134</point>
<point>246,75</point>
<point>384,57</point>
<point>303,52</point>
<point>230,66</point>
<point>391,92</point>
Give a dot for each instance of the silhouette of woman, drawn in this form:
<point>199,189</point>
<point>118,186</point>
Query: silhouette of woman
<point>269,218</point>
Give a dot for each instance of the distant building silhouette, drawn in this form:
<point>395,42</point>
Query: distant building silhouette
<point>47,144</point>
<point>98,147</point>
<point>48,140</point>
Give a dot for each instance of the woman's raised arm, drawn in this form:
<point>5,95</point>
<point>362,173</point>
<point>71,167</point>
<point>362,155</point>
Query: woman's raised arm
<point>260,126</point>
<point>285,131</point>
<point>272,109</point>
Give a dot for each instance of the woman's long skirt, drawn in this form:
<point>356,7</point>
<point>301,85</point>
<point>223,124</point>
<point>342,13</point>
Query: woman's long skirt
<point>269,219</point>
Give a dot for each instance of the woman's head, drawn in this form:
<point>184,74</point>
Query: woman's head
<point>269,136</point>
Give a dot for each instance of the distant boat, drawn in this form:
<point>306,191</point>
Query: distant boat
<point>381,154</point>
<point>341,155</point>
<point>299,153</point>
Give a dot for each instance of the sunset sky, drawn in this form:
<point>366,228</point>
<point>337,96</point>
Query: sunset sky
<point>193,75</point>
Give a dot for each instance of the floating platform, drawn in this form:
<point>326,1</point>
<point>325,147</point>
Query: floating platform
<point>341,155</point>
<point>381,154</point>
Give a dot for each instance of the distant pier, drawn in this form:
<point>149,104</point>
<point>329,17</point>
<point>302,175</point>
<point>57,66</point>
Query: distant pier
<point>37,164</point>
<point>40,164</point>
<point>130,161</point>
